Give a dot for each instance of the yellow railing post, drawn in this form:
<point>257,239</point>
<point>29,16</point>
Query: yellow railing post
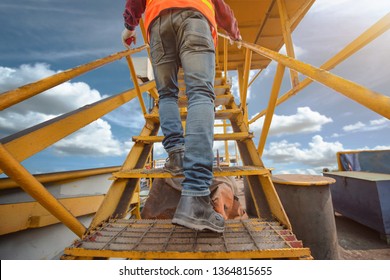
<point>271,107</point>
<point>136,84</point>
<point>286,30</point>
<point>245,82</point>
<point>225,58</point>
<point>31,186</point>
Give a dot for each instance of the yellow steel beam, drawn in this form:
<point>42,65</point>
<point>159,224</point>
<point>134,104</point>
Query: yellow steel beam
<point>20,216</point>
<point>225,57</point>
<point>121,189</point>
<point>377,102</point>
<point>286,30</point>
<point>217,137</point>
<point>245,81</point>
<point>136,84</point>
<point>30,141</point>
<point>15,96</point>
<point>6,183</point>
<point>365,38</point>
<point>222,125</point>
<point>295,19</point>
<point>271,107</point>
<point>36,190</point>
<point>285,253</point>
<point>250,156</point>
<point>227,155</point>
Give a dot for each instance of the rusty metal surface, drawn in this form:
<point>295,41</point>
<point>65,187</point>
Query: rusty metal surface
<point>161,236</point>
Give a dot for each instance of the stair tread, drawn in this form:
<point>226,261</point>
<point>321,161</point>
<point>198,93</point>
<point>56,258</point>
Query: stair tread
<point>160,239</point>
<point>223,99</point>
<point>217,137</point>
<point>219,114</point>
<point>217,171</point>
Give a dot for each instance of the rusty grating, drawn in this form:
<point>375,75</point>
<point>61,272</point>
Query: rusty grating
<point>161,236</point>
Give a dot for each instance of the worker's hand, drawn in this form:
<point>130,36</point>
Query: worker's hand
<point>238,41</point>
<point>128,37</point>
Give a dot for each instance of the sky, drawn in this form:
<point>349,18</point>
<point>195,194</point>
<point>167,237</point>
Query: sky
<point>39,38</point>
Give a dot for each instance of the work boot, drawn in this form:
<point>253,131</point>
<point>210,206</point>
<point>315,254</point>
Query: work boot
<point>196,212</point>
<point>174,162</point>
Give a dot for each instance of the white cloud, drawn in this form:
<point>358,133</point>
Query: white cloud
<point>352,127</point>
<point>318,154</point>
<point>95,139</point>
<point>235,89</point>
<point>372,125</point>
<point>304,121</point>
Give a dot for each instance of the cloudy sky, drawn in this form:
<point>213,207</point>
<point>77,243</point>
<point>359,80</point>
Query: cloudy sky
<point>42,37</point>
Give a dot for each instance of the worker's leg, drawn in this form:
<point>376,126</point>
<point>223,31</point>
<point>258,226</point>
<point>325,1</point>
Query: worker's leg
<point>165,67</point>
<point>197,55</point>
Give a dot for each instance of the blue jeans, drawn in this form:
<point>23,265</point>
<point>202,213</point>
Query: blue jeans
<point>183,38</point>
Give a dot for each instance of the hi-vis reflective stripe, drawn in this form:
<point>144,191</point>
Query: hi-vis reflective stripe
<point>207,2</point>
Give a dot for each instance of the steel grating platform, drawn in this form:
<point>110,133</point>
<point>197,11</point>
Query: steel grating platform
<point>159,239</point>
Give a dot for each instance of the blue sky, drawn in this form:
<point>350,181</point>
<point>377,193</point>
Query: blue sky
<point>42,37</point>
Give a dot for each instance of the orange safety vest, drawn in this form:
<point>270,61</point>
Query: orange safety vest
<point>206,7</point>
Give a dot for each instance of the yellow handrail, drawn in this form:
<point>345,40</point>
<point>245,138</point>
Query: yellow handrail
<point>15,96</point>
<point>366,37</point>
<point>375,101</point>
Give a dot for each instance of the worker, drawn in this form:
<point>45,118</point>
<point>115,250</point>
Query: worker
<point>183,33</point>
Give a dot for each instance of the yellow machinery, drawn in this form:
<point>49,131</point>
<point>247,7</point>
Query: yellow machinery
<point>114,232</point>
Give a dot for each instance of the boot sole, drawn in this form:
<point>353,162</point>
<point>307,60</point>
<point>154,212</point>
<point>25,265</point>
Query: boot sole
<point>196,224</point>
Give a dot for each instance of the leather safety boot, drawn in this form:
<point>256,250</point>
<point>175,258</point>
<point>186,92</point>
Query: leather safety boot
<point>174,162</point>
<point>196,212</point>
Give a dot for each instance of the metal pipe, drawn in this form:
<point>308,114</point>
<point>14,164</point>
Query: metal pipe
<point>31,186</point>
<point>15,96</point>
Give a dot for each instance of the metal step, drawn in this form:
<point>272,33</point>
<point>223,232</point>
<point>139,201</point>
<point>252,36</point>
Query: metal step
<point>217,171</point>
<point>238,136</point>
<point>217,81</point>
<point>218,90</point>
<point>219,115</point>
<point>160,239</point>
<point>224,99</point>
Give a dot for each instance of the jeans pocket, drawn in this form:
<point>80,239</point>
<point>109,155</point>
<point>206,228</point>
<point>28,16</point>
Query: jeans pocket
<point>198,36</point>
<point>156,46</point>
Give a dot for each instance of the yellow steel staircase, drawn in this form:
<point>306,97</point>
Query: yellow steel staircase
<point>113,235</point>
